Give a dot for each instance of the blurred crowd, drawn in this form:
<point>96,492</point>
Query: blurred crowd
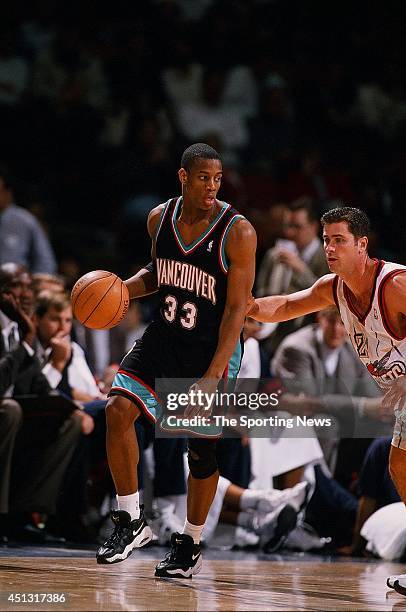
<point>93,120</point>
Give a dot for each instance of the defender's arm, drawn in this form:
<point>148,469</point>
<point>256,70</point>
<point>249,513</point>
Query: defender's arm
<point>278,308</point>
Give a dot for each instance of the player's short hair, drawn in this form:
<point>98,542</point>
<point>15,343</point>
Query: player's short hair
<point>48,299</point>
<point>357,221</point>
<point>199,150</point>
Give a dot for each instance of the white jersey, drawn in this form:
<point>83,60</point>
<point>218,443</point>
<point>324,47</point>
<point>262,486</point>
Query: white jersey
<point>381,351</point>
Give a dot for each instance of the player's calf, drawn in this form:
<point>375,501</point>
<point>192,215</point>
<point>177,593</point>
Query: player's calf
<point>126,536</point>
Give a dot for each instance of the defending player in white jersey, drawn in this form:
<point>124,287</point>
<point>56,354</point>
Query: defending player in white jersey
<point>371,297</point>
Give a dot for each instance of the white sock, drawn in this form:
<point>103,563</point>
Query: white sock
<point>195,531</point>
<point>130,503</point>
<point>250,498</point>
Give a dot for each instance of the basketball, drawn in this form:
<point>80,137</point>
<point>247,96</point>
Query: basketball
<point>100,299</point>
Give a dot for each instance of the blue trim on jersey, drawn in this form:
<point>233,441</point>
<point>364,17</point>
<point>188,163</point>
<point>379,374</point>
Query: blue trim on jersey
<point>161,217</point>
<point>224,261</point>
<point>235,362</point>
<point>202,236</point>
<point>135,389</point>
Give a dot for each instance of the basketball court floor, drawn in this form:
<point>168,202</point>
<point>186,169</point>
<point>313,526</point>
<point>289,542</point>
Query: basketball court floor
<point>230,580</point>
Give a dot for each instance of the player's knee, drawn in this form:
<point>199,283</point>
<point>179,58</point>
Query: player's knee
<point>202,458</point>
<point>120,413</point>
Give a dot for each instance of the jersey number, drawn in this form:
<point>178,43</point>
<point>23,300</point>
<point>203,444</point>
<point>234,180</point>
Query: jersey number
<point>189,310</point>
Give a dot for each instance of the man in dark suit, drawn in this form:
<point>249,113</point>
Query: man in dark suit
<point>35,448</point>
<point>323,374</point>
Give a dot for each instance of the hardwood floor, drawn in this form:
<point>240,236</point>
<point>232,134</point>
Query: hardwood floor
<point>222,585</point>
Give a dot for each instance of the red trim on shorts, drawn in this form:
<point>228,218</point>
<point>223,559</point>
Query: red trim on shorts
<point>335,294</point>
<point>347,295</point>
<point>144,384</point>
<point>131,396</point>
<point>382,307</point>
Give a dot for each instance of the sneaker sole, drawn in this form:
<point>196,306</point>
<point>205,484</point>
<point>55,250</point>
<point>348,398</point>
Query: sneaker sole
<point>141,540</point>
<point>286,522</point>
<point>179,573</point>
<point>390,584</point>
<point>398,588</point>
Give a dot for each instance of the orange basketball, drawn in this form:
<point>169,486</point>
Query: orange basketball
<point>100,299</point>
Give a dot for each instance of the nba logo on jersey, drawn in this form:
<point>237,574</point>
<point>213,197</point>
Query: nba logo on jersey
<point>210,246</point>
<point>376,316</point>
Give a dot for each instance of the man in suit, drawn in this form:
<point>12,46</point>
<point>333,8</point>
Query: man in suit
<point>291,265</point>
<point>322,374</point>
<point>34,449</point>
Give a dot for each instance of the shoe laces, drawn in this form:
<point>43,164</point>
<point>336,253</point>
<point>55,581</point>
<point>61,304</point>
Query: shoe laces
<point>116,535</point>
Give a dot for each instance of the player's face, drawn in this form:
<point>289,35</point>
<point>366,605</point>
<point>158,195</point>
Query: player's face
<point>333,329</point>
<point>54,322</point>
<point>202,182</point>
<point>343,251</point>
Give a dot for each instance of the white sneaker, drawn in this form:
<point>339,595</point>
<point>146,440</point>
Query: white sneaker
<point>164,524</point>
<point>305,538</point>
<point>244,538</point>
<point>272,499</point>
<point>398,583</point>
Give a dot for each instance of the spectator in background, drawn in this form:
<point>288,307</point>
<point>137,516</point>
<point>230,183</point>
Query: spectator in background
<point>22,239</point>
<point>376,488</point>
<point>41,446</point>
<point>63,361</point>
<point>209,116</point>
<point>320,368</point>
<point>47,282</point>
<point>292,266</point>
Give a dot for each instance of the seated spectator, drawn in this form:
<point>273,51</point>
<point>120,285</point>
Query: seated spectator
<point>35,450</point>
<point>42,281</point>
<point>323,375</point>
<point>64,363</point>
<point>376,488</point>
<point>293,266</point>
<point>22,239</point>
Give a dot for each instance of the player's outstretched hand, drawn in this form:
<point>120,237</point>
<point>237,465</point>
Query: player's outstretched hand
<point>202,398</point>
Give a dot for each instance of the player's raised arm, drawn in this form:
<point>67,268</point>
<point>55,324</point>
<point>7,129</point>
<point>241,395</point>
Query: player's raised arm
<point>240,251</point>
<point>276,308</point>
<point>144,282</point>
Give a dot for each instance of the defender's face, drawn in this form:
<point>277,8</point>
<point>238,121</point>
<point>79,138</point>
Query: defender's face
<point>343,251</point>
<point>54,322</point>
<point>202,182</point>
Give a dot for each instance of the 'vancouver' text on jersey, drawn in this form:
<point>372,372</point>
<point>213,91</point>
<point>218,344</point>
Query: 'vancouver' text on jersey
<point>192,279</point>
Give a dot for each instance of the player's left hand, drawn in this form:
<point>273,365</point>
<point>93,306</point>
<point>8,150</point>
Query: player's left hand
<point>202,397</point>
<point>395,397</point>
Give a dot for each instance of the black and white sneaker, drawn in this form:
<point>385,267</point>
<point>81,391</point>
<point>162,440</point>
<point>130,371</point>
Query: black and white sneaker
<point>275,527</point>
<point>184,560</point>
<point>126,536</point>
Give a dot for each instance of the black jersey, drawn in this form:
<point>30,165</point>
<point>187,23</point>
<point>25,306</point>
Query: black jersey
<point>192,279</point>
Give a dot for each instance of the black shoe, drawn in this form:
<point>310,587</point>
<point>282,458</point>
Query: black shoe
<point>126,536</point>
<point>184,560</point>
<point>285,523</point>
<point>31,534</point>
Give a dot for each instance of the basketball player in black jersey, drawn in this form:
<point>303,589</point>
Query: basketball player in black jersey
<point>203,267</point>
